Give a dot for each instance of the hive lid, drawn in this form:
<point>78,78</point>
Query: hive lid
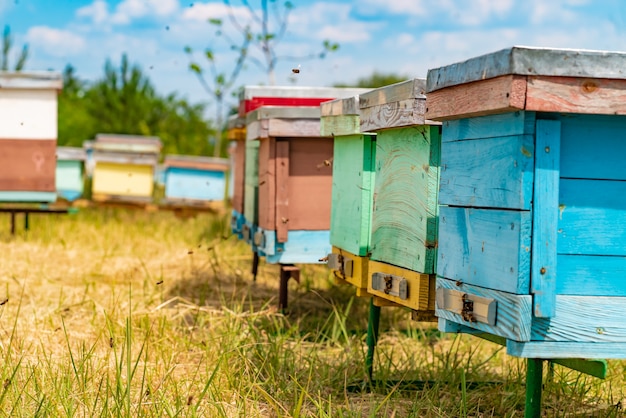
<point>404,90</point>
<point>522,60</point>
<point>196,162</point>
<point>127,143</point>
<point>284,112</point>
<point>125,157</point>
<point>341,107</point>
<point>71,154</point>
<point>39,80</point>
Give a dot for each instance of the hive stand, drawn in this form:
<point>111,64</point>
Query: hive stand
<point>532,204</point>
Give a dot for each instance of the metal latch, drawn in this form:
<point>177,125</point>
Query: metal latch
<point>341,263</point>
<point>391,285</point>
<point>259,239</point>
<point>472,308</point>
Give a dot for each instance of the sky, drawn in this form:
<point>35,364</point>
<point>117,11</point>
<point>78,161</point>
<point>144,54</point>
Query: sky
<point>403,37</point>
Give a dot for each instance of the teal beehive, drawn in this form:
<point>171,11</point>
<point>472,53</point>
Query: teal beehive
<point>70,172</point>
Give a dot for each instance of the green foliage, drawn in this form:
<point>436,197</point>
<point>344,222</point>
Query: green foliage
<point>376,80</point>
<point>124,101</point>
<point>7,45</point>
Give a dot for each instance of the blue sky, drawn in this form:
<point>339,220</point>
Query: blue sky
<point>391,36</point>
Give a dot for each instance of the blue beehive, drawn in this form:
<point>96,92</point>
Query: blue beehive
<point>70,171</point>
<point>194,180</point>
<point>532,201</point>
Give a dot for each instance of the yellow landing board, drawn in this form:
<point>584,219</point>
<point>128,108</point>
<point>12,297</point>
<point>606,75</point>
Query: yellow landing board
<point>401,286</point>
<point>350,268</point>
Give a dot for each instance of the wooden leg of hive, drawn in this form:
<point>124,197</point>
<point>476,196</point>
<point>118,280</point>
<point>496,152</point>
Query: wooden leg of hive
<point>534,382</point>
<point>255,265</point>
<point>372,337</point>
<point>287,271</point>
<point>26,222</point>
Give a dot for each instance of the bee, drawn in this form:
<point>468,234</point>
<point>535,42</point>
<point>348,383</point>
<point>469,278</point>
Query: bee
<point>296,70</point>
<point>4,301</point>
<point>111,342</point>
<point>159,282</point>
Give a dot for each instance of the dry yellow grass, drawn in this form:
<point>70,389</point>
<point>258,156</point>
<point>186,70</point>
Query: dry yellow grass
<point>122,313</point>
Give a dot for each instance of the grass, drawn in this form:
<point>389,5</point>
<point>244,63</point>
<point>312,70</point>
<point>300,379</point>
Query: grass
<point>121,313</point>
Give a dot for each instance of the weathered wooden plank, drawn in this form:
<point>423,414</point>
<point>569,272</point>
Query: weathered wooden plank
<point>409,89</point>
<point>584,157</point>
<point>282,190</point>
<point>545,217</point>
<point>404,216</point>
<point>497,95</point>
<point>420,287</point>
<point>592,217</point>
<point>490,126</point>
<point>267,184</point>
<point>251,191</point>
<point>305,247</point>
<point>297,128</point>
<point>576,95</point>
<point>341,107</point>
<point>513,312</point>
<point>591,275</point>
<point>352,193</point>
<point>355,271</point>
<point>239,176</point>
<point>492,172</point>
<point>488,248</point>
<point>583,319</point>
<point>339,125</point>
<point>563,350</point>
<point>27,166</point>
<point>395,114</point>
<point>530,61</point>
<point>310,183</point>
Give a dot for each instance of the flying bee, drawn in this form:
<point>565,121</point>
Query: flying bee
<point>296,70</point>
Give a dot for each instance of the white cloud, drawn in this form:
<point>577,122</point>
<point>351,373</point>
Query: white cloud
<point>128,10</point>
<point>330,21</point>
<point>201,12</point>
<point>55,42</point>
<point>97,11</point>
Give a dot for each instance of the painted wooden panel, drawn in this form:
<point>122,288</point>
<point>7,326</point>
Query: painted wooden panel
<point>565,350</point>
<point>28,114</point>
<point>481,127</point>
<point>238,174</point>
<point>26,197</point>
<point>591,275</point>
<point>123,180</point>
<point>69,179</point>
<point>27,166</point>
<point>404,216</point>
<point>392,115</point>
<point>493,172</point>
<point>251,190</point>
<point>420,287</point>
<point>592,217</point>
<point>357,273</point>
<point>339,125</point>
<point>266,206</point>
<point>488,248</point>
<point>193,184</point>
<point>310,183</point>
<point>513,312</point>
<point>545,217</point>
<point>236,223</point>
<point>301,247</point>
<point>282,190</point>
<point>584,157</point>
<point>352,193</point>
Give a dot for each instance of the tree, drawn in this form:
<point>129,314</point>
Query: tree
<point>7,45</point>
<point>261,34</point>
<point>376,80</point>
<point>75,122</point>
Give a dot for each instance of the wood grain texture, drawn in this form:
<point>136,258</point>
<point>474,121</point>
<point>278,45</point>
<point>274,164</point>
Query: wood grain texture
<point>497,95</point>
<point>27,165</point>
<point>360,269</point>
<point>402,113</point>
<point>545,218</point>
<point>340,107</point>
<point>591,275</point>
<point>404,216</point>
<point>251,190</point>
<point>488,248</point>
<point>239,176</point>
<point>339,125</point>
<point>513,312</point>
<point>298,128</point>
<point>301,247</point>
<point>490,173</point>
<point>592,217</point>
<point>267,184</point>
<point>352,193</point>
<point>576,95</point>
<point>282,190</point>
<point>414,88</point>
<point>490,126</point>
<point>421,287</point>
<point>564,350</point>
<point>593,146</point>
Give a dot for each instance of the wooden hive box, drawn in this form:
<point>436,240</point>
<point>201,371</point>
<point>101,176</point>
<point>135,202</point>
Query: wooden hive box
<point>70,172</point>
<point>28,135</point>
<point>294,183</point>
<point>236,134</point>
<point>194,180</point>
<point>253,97</point>
<point>532,237</point>
<point>124,168</point>
<point>352,191</point>
<point>404,209</point>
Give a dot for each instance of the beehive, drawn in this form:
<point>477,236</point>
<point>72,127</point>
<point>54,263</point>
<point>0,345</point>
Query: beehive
<point>70,172</point>
<point>124,167</point>
<point>28,135</point>
<point>532,203</point>
<point>194,180</point>
<point>404,209</point>
<point>236,133</point>
<point>352,190</point>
